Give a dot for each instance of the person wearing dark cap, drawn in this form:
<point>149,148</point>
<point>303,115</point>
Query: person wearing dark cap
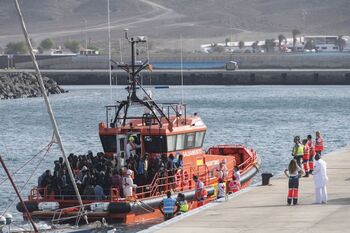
<point>298,150</point>
<point>167,206</point>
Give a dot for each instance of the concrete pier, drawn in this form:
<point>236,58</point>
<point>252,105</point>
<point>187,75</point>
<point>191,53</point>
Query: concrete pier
<point>203,77</point>
<point>263,208</point>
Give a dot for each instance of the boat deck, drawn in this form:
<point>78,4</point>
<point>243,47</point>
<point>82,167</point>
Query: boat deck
<point>264,209</point>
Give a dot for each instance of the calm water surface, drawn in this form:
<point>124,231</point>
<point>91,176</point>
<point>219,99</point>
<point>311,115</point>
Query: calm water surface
<point>262,117</point>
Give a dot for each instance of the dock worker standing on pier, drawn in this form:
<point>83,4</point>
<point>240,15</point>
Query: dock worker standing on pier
<point>298,150</point>
<point>312,153</point>
<point>306,158</point>
<point>319,143</point>
<point>320,180</point>
<point>292,174</point>
<point>168,205</point>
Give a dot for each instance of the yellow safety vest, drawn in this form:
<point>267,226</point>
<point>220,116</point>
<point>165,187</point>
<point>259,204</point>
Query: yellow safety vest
<point>298,150</point>
<point>183,206</point>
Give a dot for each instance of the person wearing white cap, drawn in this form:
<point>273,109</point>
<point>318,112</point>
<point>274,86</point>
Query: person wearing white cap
<point>128,185</point>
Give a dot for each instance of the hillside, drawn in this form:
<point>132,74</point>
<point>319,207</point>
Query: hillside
<point>199,21</point>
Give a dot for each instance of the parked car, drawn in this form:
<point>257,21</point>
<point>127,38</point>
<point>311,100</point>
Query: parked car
<point>231,65</point>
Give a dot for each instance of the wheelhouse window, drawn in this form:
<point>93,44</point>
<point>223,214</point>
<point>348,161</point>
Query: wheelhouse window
<point>171,140</point>
<point>155,144</point>
<point>185,141</point>
<point>199,139</point>
<point>180,141</point>
<point>190,140</point>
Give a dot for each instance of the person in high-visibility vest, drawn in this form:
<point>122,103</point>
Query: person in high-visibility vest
<point>319,143</point>
<point>298,150</point>
<point>312,153</point>
<point>184,207</point>
<point>169,206</point>
<point>306,158</point>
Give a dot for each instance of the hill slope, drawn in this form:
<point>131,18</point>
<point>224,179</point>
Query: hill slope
<point>164,20</point>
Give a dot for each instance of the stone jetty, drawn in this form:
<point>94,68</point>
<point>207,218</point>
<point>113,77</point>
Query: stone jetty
<point>22,85</point>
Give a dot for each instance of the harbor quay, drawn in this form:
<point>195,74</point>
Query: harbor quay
<point>201,76</point>
<point>264,208</point>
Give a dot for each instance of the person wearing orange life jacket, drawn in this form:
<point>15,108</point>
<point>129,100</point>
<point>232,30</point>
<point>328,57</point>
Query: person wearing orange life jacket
<point>200,192</point>
<point>319,143</point>
<point>312,153</point>
<point>298,150</point>
<point>306,158</point>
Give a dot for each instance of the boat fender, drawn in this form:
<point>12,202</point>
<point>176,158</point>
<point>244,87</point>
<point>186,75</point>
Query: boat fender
<point>99,206</point>
<point>31,206</point>
<point>119,207</point>
<point>48,206</point>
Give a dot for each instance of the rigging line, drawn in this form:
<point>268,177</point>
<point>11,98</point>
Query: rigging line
<point>109,50</point>
<point>28,161</point>
<point>182,73</point>
<point>121,50</point>
<point>47,102</point>
<point>30,177</point>
<point>148,56</point>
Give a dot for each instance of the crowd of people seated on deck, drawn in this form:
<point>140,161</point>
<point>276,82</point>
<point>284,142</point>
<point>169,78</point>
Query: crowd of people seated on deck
<point>95,176</point>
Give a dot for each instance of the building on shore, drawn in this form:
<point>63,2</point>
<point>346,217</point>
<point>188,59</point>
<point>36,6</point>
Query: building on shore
<point>318,43</point>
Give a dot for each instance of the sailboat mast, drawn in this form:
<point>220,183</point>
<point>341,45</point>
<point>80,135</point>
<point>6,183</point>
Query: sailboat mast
<point>48,105</point>
<point>18,194</point>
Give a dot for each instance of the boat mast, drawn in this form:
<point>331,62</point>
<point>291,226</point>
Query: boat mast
<point>48,105</point>
<point>133,71</point>
<point>18,195</point>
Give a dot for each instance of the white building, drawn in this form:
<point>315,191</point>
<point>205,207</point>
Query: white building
<point>323,43</point>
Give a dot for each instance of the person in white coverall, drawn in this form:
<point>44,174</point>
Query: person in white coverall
<point>320,179</point>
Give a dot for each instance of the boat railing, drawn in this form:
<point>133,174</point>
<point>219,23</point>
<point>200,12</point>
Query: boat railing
<point>177,180</point>
<point>147,119</point>
<point>70,213</point>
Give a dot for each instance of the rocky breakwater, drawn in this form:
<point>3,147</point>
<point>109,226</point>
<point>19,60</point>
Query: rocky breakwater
<point>22,85</point>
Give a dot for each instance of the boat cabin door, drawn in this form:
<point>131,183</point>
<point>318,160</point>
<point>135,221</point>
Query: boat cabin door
<point>121,146</point>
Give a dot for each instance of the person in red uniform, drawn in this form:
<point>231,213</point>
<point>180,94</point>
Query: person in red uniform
<point>319,143</point>
<point>312,153</point>
<point>234,185</point>
<point>200,193</point>
<point>306,158</point>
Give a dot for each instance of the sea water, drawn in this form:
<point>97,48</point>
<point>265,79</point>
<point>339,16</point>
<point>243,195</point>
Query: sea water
<point>265,118</point>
